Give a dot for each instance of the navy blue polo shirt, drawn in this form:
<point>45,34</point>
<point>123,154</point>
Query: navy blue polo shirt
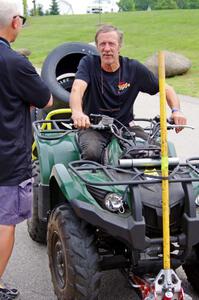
<point>114,93</point>
<point>20,87</point>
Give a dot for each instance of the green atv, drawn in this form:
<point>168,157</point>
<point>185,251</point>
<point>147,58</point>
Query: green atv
<point>97,217</point>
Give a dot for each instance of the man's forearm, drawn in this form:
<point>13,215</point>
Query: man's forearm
<point>174,104</point>
<point>172,98</point>
<point>75,103</point>
<point>50,102</point>
<point>76,95</point>
<point>80,119</point>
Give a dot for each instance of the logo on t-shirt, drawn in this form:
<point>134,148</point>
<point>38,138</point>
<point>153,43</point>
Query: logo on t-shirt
<point>123,85</point>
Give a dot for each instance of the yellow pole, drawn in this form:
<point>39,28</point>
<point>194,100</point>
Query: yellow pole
<point>164,163</point>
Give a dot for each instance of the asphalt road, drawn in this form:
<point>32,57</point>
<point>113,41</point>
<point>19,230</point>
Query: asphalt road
<point>28,268</point>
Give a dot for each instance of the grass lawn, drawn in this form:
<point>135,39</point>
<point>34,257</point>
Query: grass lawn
<point>144,34</point>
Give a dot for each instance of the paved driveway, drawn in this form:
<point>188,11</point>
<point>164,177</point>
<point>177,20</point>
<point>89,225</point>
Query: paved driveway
<point>28,267</point>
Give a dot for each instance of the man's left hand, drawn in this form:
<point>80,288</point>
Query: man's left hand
<point>178,119</point>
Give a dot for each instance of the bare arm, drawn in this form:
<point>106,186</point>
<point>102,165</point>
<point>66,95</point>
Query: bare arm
<point>80,119</point>
<point>50,102</point>
<point>174,104</point>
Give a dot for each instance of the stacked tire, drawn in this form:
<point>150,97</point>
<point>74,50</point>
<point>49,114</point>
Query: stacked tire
<point>59,68</point>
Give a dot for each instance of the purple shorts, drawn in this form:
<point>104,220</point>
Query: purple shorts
<point>15,203</point>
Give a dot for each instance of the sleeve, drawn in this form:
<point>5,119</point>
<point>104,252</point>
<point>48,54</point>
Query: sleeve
<point>147,81</point>
<point>83,72</point>
<point>29,86</point>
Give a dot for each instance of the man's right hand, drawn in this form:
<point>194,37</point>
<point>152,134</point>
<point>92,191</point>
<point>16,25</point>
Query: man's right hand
<point>80,120</point>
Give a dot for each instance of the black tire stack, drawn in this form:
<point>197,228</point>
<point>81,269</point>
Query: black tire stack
<point>59,68</point>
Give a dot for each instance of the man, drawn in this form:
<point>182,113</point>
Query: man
<point>109,84</point>
<point>20,88</point>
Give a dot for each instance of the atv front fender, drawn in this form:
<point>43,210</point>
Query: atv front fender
<point>60,174</point>
<point>70,186</point>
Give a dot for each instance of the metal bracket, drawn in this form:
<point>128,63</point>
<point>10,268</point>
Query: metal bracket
<point>168,286</point>
<point>165,286</point>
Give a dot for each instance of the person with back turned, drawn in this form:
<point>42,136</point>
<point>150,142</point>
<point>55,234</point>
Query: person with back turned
<point>20,88</point>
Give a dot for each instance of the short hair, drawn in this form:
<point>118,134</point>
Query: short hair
<point>108,28</point>
<point>8,9</point>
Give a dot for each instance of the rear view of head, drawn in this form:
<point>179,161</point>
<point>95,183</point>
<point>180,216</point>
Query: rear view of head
<point>10,20</point>
<point>8,9</point>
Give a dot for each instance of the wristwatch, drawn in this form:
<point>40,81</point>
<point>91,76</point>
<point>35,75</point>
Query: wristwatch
<point>175,109</point>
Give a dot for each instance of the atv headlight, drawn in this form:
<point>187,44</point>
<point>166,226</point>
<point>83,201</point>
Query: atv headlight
<point>197,205</point>
<point>197,201</point>
<point>114,202</point>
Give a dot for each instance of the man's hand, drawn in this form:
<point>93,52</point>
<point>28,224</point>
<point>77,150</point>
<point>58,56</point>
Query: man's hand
<point>179,119</point>
<point>80,120</point>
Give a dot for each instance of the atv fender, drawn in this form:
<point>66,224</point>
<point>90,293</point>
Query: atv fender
<point>49,194</point>
<point>71,188</point>
<point>61,175</point>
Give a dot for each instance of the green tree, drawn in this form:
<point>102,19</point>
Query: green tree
<point>163,4</point>
<point>54,8</point>
<point>126,5</point>
<point>193,3</point>
<point>181,3</point>
<point>153,3</point>
<point>141,4</point>
<point>34,10</point>
<point>25,8</point>
<point>40,10</point>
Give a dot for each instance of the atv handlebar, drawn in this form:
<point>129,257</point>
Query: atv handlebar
<point>44,128</point>
<point>105,122</point>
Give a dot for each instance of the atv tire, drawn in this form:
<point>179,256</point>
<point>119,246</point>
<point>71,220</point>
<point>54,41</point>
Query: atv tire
<point>73,258</point>
<point>37,229</point>
<point>191,268</point>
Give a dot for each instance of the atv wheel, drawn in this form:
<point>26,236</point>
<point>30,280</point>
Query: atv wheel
<point>191,268</point>
<point>72,255</point>
<point>37,229</point>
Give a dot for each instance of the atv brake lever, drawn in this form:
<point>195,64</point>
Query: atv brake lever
<point>173,126</point>
<point>93,126</point>
<point>68,125</point>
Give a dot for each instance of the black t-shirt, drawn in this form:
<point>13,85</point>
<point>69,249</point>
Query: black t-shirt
<point>20,87</point>
<point>113,93</point>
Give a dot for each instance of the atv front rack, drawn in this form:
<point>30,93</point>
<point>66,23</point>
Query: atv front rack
<point>137,173</point>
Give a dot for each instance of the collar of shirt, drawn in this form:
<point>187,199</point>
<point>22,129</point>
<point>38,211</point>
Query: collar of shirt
<point>4,42</point>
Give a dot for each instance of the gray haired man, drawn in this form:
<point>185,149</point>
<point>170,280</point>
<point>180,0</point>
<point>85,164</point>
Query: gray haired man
<point>20,88</point>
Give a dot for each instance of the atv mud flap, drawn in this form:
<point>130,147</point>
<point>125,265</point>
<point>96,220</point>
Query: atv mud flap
<point>125,229</point>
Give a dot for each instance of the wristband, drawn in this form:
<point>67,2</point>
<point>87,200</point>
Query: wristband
<point>175,109</point>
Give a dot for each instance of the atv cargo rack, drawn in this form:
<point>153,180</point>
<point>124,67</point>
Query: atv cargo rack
<point>137,176</point>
